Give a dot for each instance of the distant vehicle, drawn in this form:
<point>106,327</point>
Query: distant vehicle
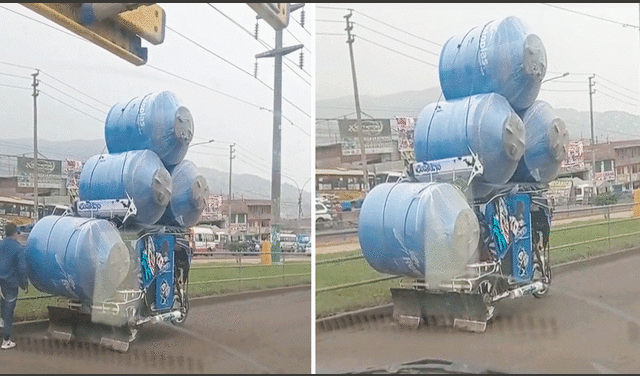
<point>387,177</point>
<point>204,240</point>
<point>303,241</point>
<point>323,214</point>
<point>288,242</point>
<point>51,209</point>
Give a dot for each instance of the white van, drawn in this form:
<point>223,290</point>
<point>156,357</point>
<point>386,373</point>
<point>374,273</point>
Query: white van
<point>288,242</point>
<point>204,240</point>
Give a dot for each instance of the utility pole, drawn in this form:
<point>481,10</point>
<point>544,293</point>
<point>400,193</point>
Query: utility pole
<point>593,143</point>
<point>231,157</point>
<point>277,53</point>
<point>35,146</point>
<point>365,172</point>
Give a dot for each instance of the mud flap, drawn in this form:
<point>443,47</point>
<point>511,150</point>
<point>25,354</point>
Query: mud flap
<point>67,324</point>
<point>412,308</point>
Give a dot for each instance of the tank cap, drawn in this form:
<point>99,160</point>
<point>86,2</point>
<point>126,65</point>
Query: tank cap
<point>162,186</point>
<point>183,125</point>
<point>200,193</point>
<point>513,135</point>
<point>558,139</point>
<point>534,59</point>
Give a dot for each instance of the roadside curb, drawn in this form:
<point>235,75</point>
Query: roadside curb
<point>384,312</point>
<point>33,325</point>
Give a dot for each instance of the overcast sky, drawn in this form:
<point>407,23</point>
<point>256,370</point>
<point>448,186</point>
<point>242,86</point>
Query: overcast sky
<point>73,71</point>
<point>582,39</point>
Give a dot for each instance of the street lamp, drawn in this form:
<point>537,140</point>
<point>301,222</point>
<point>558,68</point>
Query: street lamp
<point>203,142</point>
<point>553,78</point>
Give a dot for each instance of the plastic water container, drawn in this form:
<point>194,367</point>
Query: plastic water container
<point>501,56</point>
<point>76,258</point>
<point>484,124</point>
<point>545,145</point>
<point>419,230</point>
<point>157,122</point>
<point>138,174</point>
<point>189,198</point>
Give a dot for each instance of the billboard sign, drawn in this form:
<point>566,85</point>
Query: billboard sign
<point>575,156</point>
<point>49,173</point>
<point>376,134</point>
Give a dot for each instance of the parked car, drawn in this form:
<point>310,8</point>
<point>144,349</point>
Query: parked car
<point>303,241</point>
<point>323,215</point>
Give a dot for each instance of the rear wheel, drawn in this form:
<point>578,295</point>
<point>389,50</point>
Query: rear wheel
<point>488,290</point>
<point>541,266</point>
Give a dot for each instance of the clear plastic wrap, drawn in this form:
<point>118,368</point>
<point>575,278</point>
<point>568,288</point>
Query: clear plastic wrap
<point>419,230</point>
<point>138,174</point>
<point>501,57</point>
<point>545,146</point>
<point>157,122</point>
<point>484,124</point>
<point>77,258</point>
<point>189,198</point>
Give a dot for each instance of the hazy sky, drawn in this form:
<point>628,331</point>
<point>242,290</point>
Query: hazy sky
<point>73,71</point>
<point>582,39</point>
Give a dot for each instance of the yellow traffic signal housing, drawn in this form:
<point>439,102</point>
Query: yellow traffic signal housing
<point>276,14</point>
<point>119,34</point>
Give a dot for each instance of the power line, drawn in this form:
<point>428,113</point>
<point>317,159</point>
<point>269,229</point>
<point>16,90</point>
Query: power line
<point>208,88</point>
<point>626,96</point>
<point>611,82</point>
<point>45,24</point>
<point>409,56</point>
<point>68,105</point>
<point>397,40</point>
<point>393,27</point>
<point>246,72</point>
<point>265,44</point>
<point>16,65</point>
<point>564,90</point>
<point>85,103</point>
<point>338,34</point>
<point>619,100</point>
<point>592,16</point>
<point>15,87</point>
<point>15,75</point>
<point>71,87</point>
<point>329,21</point>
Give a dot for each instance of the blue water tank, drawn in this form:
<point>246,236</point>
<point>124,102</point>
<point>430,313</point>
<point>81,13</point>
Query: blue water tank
<point>76,258</point>
<point>189,198</point>
<point>484,123</point>
<point>545,145</point>
<point>501,56</point>
<point>157,122</point>
<point>138,174</point>
<point>419,230</point>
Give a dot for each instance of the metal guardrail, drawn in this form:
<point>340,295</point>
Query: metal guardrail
<point>226,257</point>
<point>339,227</point>
<point>606,211</point>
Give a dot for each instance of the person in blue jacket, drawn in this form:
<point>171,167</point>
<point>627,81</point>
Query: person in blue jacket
<point>13,274</point>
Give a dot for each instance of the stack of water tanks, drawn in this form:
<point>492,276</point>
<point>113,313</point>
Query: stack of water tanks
<point>490,79</point>
<point>147,138</point>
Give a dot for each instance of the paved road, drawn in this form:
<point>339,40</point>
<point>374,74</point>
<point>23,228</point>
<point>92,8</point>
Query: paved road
<point>589,323</point>
<point>264,334</point>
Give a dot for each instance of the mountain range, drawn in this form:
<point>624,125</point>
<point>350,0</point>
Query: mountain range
<point>610,125</point>
<point>243,185</point>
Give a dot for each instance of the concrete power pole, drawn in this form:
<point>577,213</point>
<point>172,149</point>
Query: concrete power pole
<point>363,153</point>
<point>231,156</point>
<point>593,143</point>
<point>35,147</point>
<point>277,53</point>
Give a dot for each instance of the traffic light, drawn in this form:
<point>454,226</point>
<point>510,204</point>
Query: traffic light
<point>276,14</point>
<point>116,27</point>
